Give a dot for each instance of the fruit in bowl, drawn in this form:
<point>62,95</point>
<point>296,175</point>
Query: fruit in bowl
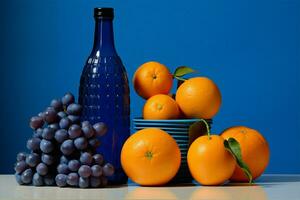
<point>199,97</point>
<point>152,78</point>
<point>161,106</point>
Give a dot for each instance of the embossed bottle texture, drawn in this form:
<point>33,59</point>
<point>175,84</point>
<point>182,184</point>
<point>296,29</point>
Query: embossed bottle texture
<point>104,92</point>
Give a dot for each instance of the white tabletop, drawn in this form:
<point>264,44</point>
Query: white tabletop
<point>267,187</point>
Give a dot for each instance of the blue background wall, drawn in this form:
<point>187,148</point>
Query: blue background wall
<point>251,49</point>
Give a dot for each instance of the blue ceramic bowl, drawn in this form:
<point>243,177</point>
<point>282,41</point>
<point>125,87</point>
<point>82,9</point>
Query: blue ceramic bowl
<point>179,129</point>
<point>166,128</point>
<point>169,121</point>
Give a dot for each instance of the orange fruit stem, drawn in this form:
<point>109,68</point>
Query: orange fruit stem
<point>207,128</point>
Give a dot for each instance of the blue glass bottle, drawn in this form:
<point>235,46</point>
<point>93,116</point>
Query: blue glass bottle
<point>104,92</point>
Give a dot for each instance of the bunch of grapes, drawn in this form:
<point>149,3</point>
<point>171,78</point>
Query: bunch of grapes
<point>89,171</point>
<point>62,149</point>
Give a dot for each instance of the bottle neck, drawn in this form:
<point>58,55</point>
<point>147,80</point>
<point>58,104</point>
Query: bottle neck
<point>104,37</point>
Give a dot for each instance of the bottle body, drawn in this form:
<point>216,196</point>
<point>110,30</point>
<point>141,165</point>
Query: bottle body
<point>104,95</point>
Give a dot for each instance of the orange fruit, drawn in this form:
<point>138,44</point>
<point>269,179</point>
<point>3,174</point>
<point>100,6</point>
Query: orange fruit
<point>152,78</point>
<point>161,106</point>
<point>209,162</point>
<point>254,148</point>
<point>199,97</point>
<point>150,157</point>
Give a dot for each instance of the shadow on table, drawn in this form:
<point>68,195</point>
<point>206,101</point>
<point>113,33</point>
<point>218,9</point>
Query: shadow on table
<point>254,184</point>
<point>278,179</point>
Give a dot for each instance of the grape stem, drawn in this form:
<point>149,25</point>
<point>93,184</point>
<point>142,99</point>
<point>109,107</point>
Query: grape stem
<point>207,128</point>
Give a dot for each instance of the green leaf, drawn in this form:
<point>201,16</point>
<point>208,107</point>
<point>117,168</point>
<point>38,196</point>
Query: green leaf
<point>179,78</point>
<point>234,148</point>
<point>182,70</point>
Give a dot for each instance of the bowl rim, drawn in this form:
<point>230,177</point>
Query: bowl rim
<point>140,119</point>
<point>178,129</point>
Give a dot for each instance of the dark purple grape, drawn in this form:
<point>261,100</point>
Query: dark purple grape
<point>94,142</point>
<point>19,179</point>
<point>67,147</point>
<point>100,128</point>
<point>63,169</point>
<point>49,108</point>
<point>98,159</point>
<point>21,156</point>
<point>36,122</point>
<point>48,159</point>
<point>73,165</point>
<point>104,181</point>
<point>88,130</point>
<point>57,105</point>
<point>73,179</point>
<point>85,123</point>
<point>74,109</point>
<point>96,170</point>
<point>61,180</point>
<point>38,133</point>
<point>62,114</point>
<point>42,115</point>
<point>49,180</point>
<point>65,123</point>
<point>54,126</point>
<point>37,180</point>
<point>85,171</point>
<point>32,159</point>
<point>81,143</point>
<point>74,131</point>
<point>86,158</point>
<point>46,146</point>
<point>50,116</point>
<point>26,176</point>
<point>20,166</point>
<point>68,99</point>
<point>64,160</point>
<point>61,135</point>
<point>33,144</point>
<point>95,182</point>
<point>74,119</point>
<point>108,169</point>
<point>48,133</point>
<point>42,169</point>
<point>84,182</point>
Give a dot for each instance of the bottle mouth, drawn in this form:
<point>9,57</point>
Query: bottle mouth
<point>100,13</point>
